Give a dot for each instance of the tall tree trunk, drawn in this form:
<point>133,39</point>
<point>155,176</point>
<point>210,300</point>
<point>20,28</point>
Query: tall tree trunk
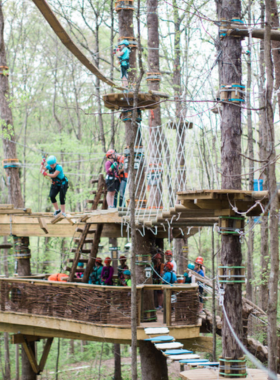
<point>231,179</point>
<point>14,190</point>
<point>117,361</point>
<point>154,367</point>
<point>276,48</point>
<point>250,273</point>
<point>263,175</point>
<point>7,357</point>
<point>273,196</point>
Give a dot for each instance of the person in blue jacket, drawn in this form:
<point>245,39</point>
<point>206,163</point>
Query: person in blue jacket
<point>123,55</point>
<point>169,276</point>
<point>59,183</point>
<point>187,275</point>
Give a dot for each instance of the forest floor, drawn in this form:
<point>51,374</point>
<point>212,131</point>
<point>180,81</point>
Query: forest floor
<point>90,370</point>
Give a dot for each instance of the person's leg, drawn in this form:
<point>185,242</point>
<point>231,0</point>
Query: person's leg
<point>160,298</point>
<point>62,196</point>
<point>117,187</point>
<point>53,193</point>
<point>124,76</point>
<point>122,192</point>
<point>110,198</point>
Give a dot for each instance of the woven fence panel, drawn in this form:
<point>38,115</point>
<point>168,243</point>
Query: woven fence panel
<point>185,306</point>
<point>76,303</point>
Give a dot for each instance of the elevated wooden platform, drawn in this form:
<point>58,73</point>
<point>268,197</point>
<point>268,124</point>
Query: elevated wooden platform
<point>212,374</point>
<point>116,101</point>
<point>224,202</point>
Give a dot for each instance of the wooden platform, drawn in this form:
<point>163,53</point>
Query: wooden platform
<point>212,374</point>
<point>117,101</point>
<point>224,202</point>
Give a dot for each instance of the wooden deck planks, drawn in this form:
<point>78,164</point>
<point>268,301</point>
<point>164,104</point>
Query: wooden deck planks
<point>211,374</point>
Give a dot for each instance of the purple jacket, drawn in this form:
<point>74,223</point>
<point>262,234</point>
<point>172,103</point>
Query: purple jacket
<point>107,275</point>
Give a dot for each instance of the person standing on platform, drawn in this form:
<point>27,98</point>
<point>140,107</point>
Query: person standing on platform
<point>169,259</point>
<point>158,272</point>
<point>199,270</point>
<point>122,177</point>
<point>107,272</point>
<point>169,276</point>
<point>59,183</point>
<point>121,269</point>
<point>123,53</point>
<point>111,168</point>
<point>95,276</point>
<point>127,275</point>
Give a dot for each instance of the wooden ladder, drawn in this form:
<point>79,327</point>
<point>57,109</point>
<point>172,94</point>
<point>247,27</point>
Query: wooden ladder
<point>99,198</point>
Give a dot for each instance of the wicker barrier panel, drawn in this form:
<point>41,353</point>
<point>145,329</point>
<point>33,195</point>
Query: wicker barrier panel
<point>70,302</point>
<point>184,307</point>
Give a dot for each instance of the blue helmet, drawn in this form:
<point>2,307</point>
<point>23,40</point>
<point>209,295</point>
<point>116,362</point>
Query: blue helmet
<point>191,266</point>
<point>126,272</point>
<point>124,42</point>
<point>51,160</point>
<point>80,264</point>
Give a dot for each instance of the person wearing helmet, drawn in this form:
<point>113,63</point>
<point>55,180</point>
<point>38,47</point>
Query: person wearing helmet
<point>107,272</point>
<point>80,274</point>
<point>59,183</point>
<point>122,178</point>
<point>169,276</point>
<point>188,276</point>
<point>95,276</point>
<point>158,272</point>
<point>123,55</point>
<point>121,268</point>
<point>127,278</point>
<point>169,258</point>
<point>111,168</point>
<point>199,270</point>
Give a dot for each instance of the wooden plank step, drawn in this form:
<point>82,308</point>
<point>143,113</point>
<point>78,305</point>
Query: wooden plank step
<point>81,250</point>
<point>6,246</point>
<point>80,261</point>
<point>168,346</point>
<point>177,352</point>
<point>86,241</point>
<point>181,357</point>
<point>156,330</point>
<point>76,270</point>
<point>163,338</point>
<point>43,225</point>
<point>57,218</point>
<point>94,180</point>
<point>94,192</point>
<point>9,207</point>
<point>92,201</point>
<point>81,231</point>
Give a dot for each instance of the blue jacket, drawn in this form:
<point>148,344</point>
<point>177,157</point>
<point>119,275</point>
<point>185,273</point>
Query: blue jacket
<point>169,278</point>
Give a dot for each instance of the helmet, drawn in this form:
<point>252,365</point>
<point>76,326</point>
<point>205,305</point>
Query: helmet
<point>126,272</point>
<point>107,260</point>
<point>51,160</point>
<point>169,266</point>
<point>168,253</point>
<point>122,258</point>
<point>158,256</point>
<point>98,260</point>
<point>199,260</point>
<point>124,42</point>
<point>191,266</point>
<point>81,265</point>
<point>110,153</point>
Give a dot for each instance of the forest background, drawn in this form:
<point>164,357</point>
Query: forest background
<point>57,108</point>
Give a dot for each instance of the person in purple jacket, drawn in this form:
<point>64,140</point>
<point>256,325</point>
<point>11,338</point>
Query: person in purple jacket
<point>111,168</point>
<point>107,273</point>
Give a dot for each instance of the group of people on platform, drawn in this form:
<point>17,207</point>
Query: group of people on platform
<point>116,179</point>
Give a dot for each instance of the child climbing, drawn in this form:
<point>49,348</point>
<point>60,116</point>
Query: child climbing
<point>123,54</point>
<point>59,183</point>
<point>111,167</point>
<point>121,269</point>
<point>199,270</point>
<point>95,276</point>
<point>107,272</point>
<point>123,181</point>
<point>127,275</point>
<point>80,266</point>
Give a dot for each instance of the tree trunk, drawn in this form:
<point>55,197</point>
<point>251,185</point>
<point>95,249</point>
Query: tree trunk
<point>231,179</point>
<point>273,196</point>
<point>153,363</point>
<point>276,49</point>
<point>7,357</point>
<point>263,175</point>
<point>14,190</point>
<point>26,369</point>
<point>117,360</point>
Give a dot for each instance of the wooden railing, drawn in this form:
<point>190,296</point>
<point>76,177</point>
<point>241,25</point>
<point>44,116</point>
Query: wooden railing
<point>104,305</point>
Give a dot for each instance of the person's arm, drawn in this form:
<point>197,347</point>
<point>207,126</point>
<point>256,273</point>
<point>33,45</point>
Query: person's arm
<point>54,175</point>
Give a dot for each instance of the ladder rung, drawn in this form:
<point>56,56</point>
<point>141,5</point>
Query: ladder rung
<point>92,201</point>
<point>81,250</point>
<point>6,246</point>
<point>82,230</point>
<point>94,192</point>
<point>94,180</point>
<point>86,241</point>
<point>76,270</point>
<point>85,261</point>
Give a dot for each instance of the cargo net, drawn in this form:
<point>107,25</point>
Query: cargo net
<point>169,158</point>
<point>184,308</point>
<point>68,302</point>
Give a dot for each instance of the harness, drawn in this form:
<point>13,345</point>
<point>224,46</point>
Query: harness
<point>57,181</point>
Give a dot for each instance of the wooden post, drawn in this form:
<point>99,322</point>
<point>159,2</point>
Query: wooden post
<point>168,306</point>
